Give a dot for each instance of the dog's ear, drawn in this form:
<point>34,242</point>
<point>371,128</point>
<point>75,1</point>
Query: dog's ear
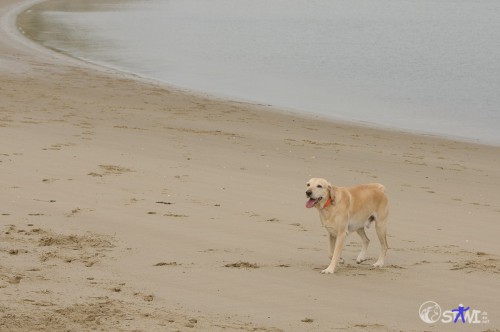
<point>331,191</point>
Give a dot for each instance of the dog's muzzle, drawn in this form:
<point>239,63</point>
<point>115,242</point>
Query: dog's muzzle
<point>312,201</point>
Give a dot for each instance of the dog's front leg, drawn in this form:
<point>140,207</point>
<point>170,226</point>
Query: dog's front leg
<point>338,245</point>
<point>331,248</point>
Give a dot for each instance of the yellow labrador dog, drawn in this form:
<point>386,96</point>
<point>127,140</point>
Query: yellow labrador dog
<point>345,210</point>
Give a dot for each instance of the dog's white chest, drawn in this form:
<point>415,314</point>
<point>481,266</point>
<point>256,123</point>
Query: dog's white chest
<point>330,224</point>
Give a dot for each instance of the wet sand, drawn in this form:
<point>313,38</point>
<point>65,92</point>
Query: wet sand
<point>128,205</point>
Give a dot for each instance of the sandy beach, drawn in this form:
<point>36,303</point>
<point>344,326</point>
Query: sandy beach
<point>132,206</point>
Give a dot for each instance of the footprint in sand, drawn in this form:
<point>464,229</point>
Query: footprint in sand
<point>175,215</point>
<point>478,262</point>
<point>242,265</point>
<point>110,170</point>
<point>167,264</point>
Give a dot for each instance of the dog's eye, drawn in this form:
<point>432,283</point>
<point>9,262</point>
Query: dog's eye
<point>308,185</point>
<point>319,186</point>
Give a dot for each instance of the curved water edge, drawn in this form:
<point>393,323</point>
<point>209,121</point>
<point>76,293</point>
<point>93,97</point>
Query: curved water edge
<point>428,88</point>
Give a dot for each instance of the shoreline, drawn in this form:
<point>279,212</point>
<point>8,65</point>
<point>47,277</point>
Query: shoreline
<point>133,205</point>
<point>300,113</point>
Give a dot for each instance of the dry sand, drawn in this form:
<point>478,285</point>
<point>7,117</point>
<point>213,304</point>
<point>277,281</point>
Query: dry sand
<point>127,205</point>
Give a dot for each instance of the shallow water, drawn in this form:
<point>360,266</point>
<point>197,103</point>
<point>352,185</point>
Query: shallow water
<point>424,66</point>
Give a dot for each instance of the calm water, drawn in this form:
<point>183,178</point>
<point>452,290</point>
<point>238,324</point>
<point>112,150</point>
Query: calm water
<point>425,66</point>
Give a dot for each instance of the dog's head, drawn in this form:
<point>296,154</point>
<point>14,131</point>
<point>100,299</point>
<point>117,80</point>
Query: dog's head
<point>319,191</point>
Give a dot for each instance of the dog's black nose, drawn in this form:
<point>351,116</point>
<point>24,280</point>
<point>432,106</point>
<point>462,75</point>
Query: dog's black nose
<point>309,193</point>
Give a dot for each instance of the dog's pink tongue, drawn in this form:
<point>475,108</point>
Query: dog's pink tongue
<point>310,203</point>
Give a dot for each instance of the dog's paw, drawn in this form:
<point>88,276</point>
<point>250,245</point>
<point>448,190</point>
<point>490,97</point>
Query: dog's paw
<point>378,264</point>
<point>361,258</point>
<point>328,270</point>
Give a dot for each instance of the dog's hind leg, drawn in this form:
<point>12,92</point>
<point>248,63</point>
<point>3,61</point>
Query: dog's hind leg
<point>381,228</point>
<point>364,248</point>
